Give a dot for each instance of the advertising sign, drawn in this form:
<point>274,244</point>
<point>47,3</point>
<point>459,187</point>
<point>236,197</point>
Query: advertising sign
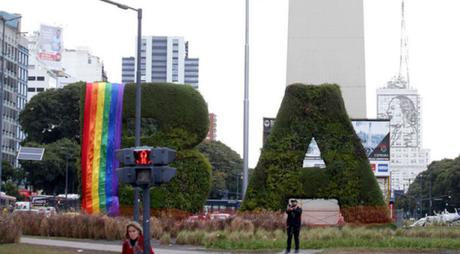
<point>50,43</point>
<point>268,125</point>
<point>375,138</point>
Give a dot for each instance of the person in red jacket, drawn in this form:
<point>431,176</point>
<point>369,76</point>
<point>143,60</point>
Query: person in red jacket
<point>134,241</point>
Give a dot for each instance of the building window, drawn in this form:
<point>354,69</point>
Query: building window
<point>40,89</point>
<point>40,78</point>
<point>31,78</point>
<point>31,89</point>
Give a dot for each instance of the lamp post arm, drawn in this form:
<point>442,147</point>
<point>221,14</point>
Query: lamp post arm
<point>121,6</point>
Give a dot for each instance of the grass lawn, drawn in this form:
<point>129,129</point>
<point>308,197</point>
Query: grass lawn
<point>385,251</point>
<point>20,248</point>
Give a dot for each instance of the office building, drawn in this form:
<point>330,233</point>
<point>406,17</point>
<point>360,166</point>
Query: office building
<point>14,71</point>
<point>52,66</point>
<point>212,133</point>
<point>163,59</point>
<point>401,104</point>
<point>326,45</point>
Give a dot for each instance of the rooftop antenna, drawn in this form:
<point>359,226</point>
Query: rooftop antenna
<point>403,76</point>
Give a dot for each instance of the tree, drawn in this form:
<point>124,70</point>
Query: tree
<point>52,115</point>
<point>49,174</point>
<point>443,177</point>
<point>227,167</point>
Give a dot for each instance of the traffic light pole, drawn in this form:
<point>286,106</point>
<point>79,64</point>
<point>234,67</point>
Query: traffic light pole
<point>145,167</point>
<point>146,220</point>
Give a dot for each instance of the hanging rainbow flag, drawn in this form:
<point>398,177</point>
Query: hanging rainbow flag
<point>101,137</point>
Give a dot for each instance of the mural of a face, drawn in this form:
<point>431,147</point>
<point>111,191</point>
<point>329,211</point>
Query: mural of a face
<point>403,121</point>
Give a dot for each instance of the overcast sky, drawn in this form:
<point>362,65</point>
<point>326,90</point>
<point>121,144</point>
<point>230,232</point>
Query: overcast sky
<point>215,31</point>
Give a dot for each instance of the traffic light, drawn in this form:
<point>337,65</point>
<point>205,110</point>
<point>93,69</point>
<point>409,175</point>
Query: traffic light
<point>144,166</point>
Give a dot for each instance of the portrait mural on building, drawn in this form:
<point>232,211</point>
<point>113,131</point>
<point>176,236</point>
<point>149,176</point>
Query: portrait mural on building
<point>402,111</point>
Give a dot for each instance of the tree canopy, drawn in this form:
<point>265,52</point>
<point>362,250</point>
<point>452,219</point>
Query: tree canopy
<point>444,179</point>
<point>227,167</point>
<point>49,174</point>
<point>52,115</point>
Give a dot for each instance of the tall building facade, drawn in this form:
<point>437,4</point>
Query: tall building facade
<point>212,133</point>
<point>14,61</point>
<point>80,65</point>
<point>163,59</point>
<point>401,104</point>
<point>50,69</point>
<point>326,45</point>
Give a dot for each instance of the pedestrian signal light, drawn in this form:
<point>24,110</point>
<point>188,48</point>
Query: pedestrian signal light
<point>142,157</point>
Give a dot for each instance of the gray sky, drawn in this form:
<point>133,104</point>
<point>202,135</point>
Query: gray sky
<point>215,31</point>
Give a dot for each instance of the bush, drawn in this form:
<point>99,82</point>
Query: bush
<point>165,239</point>
<point>9,232</point>
<point>174,116</point>
<point>310,111</point>
<point>74,226</point>
<point>239,224</point>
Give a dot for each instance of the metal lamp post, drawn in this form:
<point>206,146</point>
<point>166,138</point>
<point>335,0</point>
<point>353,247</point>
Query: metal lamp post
<point>246,104</point>
<point>138,91</point>
<point>1,89</point>
<point>146,213</point>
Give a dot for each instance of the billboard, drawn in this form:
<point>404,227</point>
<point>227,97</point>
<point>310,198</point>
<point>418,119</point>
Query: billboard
<point>50,44</point>
<point>375,138</point>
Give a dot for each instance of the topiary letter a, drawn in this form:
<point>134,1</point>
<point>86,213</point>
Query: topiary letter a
<point>306,112</point>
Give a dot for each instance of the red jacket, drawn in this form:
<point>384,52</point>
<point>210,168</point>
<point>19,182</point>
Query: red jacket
<point>138,248</point>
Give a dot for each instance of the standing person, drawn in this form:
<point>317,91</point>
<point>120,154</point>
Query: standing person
<point>294,213</point>
<point>134,241</point>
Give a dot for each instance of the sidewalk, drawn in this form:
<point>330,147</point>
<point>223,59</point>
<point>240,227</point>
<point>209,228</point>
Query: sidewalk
<point>116,247</point>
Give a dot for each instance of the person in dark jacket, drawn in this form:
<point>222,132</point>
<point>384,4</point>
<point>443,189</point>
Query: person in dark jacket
<point>294,214</point>
<point>134,242</point>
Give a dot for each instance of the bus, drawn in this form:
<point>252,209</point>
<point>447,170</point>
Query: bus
<point>6,201</point>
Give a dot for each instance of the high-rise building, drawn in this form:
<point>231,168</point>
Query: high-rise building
<point>212,133</point>
<point>401,104</point>
<point>326,45</point>
<point>79,65</point>
<point>14,63</point>
<point>51,66</point>
<point>163,59</point>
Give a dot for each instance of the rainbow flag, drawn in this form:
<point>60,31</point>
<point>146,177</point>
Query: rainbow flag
<point>101,137</point>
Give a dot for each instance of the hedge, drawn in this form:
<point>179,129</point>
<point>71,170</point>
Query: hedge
<point>187,191</point>
<point>309,111</point>
<point>173,116</point>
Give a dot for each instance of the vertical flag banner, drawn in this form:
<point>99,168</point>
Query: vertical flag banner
<point>101,137</point>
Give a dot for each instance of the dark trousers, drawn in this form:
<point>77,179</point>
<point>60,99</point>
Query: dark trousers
<point>293,230</point>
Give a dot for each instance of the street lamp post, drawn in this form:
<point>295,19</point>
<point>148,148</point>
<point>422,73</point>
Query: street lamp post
<point>246,104</point>
<point>138,91</point>
<point>146,212</point>
<point>1,90</point>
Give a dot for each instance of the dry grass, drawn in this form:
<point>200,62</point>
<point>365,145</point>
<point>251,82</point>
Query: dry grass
<point>9,232</point>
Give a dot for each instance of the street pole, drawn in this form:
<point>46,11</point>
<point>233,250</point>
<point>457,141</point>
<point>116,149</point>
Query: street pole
<point>138,104</point>
<point>246,104</point>
<point>66,175</point>
<point>431,202</point>
<point>237,193</point>
<point>137,130</point>
<point>1,91</point>
<point>146,215</point>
